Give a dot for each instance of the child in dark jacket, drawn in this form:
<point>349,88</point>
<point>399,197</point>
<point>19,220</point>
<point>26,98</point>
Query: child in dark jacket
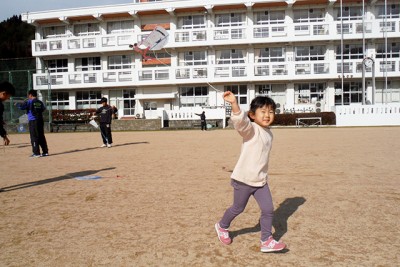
<point>35,108</point>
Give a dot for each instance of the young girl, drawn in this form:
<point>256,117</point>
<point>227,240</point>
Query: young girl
<point>251,171</point>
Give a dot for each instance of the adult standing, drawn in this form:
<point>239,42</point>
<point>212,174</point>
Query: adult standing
<point>203,120</point>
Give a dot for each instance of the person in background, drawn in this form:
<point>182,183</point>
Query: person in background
<point>106,112</point>
<point>35,108</point>
<point>203,120</point>
<point>6,91</point>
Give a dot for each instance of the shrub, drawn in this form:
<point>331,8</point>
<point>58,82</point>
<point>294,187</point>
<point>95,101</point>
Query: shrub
<point>72,116</point>
<point>327,118</point>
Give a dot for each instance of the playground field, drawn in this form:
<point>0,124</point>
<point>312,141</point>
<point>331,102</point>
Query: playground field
<point>336,194</point>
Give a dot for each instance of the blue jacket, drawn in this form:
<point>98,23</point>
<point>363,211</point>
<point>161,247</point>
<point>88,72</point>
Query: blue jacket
<point>34,108</point>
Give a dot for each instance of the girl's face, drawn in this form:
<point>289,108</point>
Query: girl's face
<point>263,116</point>
<point>4,96</point>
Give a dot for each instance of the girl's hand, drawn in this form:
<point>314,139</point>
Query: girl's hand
<point>229,97</point>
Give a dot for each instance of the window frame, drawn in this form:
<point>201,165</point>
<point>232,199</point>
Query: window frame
<point>349,13</point>
<point>51,32</point>
<point>119,62</point>
<point>234,19</point>
<point>185,60</point>
<point>351,48</point>
<point>393,51</point>
<point>57,65</point>
<point>118,26</point>
<point>191,22</point>
<point>267,54</point>
<point>194,96</point>
<point>268,17</point>
<point>129,100</point>
<point>311,53</point>
<point>230,56</point>
<point>88,64</point>
<point>305,92</point>
<point>309,17</point>
<point>240,91</point>
<point>92,100</point>
<point>59,100</point>
<point>87,29</point>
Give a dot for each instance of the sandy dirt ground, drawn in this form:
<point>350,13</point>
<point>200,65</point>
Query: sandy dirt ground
<point>336,194</point>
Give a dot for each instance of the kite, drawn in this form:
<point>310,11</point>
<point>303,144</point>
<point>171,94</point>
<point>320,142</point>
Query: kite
<point>156,40</point>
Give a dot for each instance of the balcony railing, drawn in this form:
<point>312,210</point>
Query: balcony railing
<point>288,32</point>
<point>82,44</point>
<point>215,73</point>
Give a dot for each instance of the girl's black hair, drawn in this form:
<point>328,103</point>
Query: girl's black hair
<point>260,102</point>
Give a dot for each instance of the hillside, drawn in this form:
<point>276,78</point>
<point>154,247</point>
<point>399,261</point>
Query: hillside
<point>15,38</point>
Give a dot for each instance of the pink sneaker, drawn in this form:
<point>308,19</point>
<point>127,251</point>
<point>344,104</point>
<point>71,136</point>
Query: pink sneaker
<point>223,234</point>
<point>272,245</point>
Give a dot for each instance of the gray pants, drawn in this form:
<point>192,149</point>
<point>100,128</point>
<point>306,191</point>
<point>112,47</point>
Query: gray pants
<point>241,195</point>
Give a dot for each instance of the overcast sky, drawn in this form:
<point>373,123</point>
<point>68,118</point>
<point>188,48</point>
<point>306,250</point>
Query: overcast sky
<point>8,8</point>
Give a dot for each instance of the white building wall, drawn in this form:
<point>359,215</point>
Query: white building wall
<point>72,100</point>
<point>289,40</point>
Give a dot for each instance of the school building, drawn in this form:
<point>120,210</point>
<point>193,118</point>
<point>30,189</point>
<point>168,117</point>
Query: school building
<point>309,56</point>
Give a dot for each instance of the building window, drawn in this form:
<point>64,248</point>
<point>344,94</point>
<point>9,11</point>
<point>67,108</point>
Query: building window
<point>86,29</point>
<point>309,15</point>
<point>270,17</point>
<point>393,50</point>
<point>116,27</point>
<point>192,22</point>
<point>230,19</point>
<point>87,64</point>
<point>87,99</point>
<point>150,105</point>
<point>57,65</point>
<point>309,53</point>
<point>275,91</point>
<point>350,51</point>
<point>351,93</point>
<point>193,96</point>
<point>159,59</point>
<point>230,56</point>
<point>270,54</point>
<point>59,100</point>
<point>192,58</point>
<point>119,62</point>
<point>309,93</point>
<point>240,92</point>
<point>392,11</point>
<point>263,90</point>
<point>129,102</point>
<point>349,13</point>
<point>54,32</point>
<point>387,92</point>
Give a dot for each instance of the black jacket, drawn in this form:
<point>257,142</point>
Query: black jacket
<point>105,113</point>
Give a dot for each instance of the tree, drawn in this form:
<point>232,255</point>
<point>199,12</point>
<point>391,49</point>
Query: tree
<point>15,38</point>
